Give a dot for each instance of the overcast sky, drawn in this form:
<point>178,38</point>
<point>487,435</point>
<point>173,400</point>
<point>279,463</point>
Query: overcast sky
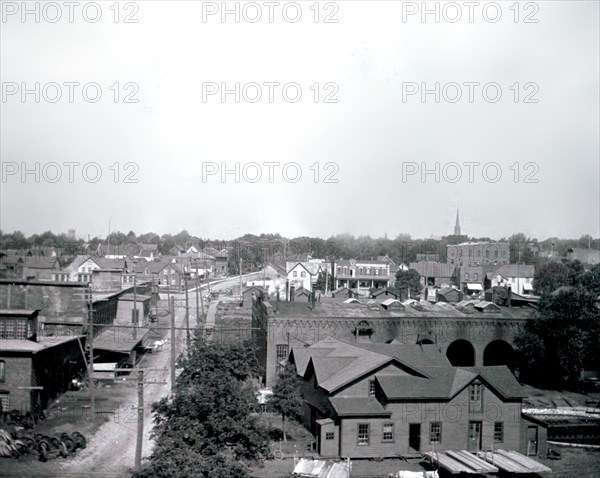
<point>373,59</point>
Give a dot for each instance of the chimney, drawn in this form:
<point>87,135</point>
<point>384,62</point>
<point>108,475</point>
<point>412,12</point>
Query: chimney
<point>508,301</point>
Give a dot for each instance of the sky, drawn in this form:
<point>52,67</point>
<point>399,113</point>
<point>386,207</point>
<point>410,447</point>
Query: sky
<point>337,125</point>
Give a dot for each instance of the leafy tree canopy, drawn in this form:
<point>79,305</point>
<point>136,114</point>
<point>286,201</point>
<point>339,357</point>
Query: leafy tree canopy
<point>209,428</point>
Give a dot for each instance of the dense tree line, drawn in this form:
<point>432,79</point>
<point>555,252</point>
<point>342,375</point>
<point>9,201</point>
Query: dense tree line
<point>256,250</point>
<point>208,427</point>
<point>564,337</point>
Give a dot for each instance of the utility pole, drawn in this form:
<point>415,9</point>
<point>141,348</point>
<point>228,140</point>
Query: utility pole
<point>172,306</point>
<point>140,408</point>
<point>91,346</point>
<point>187,312</point>
<point>135,314</point>
<point>198,293</point>
<point>207,279</point>
<point>241,288</point>
<point>140,420</point>
<point>156,297</point>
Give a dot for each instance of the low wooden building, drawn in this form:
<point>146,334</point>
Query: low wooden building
<point>385,400</point>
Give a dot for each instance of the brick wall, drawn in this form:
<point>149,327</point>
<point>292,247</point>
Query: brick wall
<point>479,331</point>
<point>18,373</point>
<point>57,302</point>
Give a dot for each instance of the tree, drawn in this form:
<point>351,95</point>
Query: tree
<point>591,280</point>
<point>563,338</point>
<point>549,276</point>
<point>209,427</point>
<point>575,272</point>
<point>286,399</point>
<point>320,284</point>
<point>409,280</point>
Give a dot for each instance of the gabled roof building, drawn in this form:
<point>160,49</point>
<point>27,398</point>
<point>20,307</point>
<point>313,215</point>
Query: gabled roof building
<point>385,400</point>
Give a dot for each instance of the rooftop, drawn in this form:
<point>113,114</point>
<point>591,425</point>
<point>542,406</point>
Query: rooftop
<point>29,346</point>
<point>335,309</point>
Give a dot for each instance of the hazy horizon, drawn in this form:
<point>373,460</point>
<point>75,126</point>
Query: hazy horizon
<point>364,119</point>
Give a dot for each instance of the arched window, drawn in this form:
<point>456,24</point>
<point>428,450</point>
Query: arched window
<point>2,371</point>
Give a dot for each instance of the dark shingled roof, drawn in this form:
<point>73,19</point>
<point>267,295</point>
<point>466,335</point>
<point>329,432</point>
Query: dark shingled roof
<point>447,382</point>
<point>358,406</point>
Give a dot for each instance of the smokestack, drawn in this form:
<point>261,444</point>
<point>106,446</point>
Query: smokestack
<point>509,300</point>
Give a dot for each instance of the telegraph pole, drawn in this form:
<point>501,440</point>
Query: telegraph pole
<point>135,314</point>
<point>172,306</point>
<point>140,420</point>
<point>187,312</point>
<point>91,346</point>
<point>198,294</point>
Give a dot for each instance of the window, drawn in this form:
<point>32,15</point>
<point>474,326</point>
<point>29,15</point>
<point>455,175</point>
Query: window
<point>173,281</point>
<point>345,271</point>
<point>360,271</point>
<point>376,272</point>
<point>435,432</point>
<point>339,270</point>
<point>282,355</point>
<point>475,276</point>
<point>388,432</point>
<point>329,435</point>
<point>466,276</point>
<point>498,432</point>
<point>2,370</point>
<point>368,271</point>
<point>4,401</point>
<point>303,274</point>
<point>478,253</point>
<point>295,274</point>
<point>475,397</point>
<point>371,388</point>
<point>165,272</point>
<point>363,433</point>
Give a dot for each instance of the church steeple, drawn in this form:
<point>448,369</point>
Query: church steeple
<point>457,225</point>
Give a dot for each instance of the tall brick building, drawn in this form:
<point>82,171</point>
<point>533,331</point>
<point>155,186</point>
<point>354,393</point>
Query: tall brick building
<point>478,253</point>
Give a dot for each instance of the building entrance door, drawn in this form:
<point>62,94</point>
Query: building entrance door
<point>414,437</point>
<point>474,436</point>
<point>532,441</point>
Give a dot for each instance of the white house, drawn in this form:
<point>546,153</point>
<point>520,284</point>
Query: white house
<point>79,270</point>
<point>305,274</point>
<point>518,276</point>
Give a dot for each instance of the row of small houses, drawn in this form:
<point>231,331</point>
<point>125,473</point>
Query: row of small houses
<point>115,269</point>
<point>363,276</point>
